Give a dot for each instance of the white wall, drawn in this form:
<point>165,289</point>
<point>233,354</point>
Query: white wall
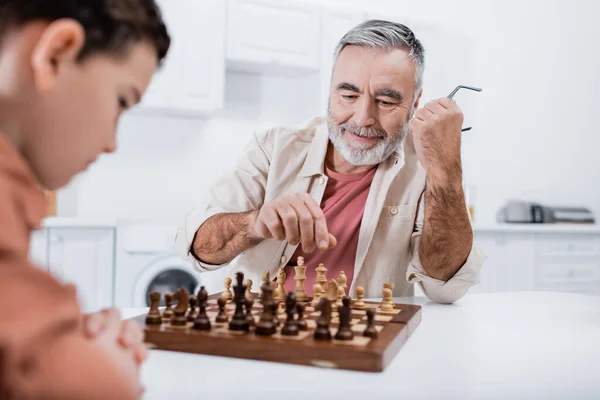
<point>534,133</point>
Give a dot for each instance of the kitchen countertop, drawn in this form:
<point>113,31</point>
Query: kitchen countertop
<point>523,345</point>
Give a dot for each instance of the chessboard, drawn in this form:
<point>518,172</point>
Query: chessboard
<point>330,332</point>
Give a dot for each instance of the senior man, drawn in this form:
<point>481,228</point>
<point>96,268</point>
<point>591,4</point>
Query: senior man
<point>374,190</point>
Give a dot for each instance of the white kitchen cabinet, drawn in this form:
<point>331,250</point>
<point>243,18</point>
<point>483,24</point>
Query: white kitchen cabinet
<point>38,248</point>
<point>335,24</point>
<point>270,33</point>
<point>192,79</point>
<point>85,257</point>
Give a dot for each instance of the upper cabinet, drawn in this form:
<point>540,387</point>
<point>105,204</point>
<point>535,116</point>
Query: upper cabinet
<point>192,79</point>
<point>335,24</point>
<point>269,33</point>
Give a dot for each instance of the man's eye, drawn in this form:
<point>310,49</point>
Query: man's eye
<point>349,97</point>
<point>123,103</point>
<point>385,103</point>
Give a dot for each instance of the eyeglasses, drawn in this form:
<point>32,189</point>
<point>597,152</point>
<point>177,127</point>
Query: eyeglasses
<point>451,95</point>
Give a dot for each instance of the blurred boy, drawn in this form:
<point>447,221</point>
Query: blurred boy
<point>68,70</point>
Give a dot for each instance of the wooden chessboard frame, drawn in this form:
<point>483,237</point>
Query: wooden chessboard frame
<point>373,357</point>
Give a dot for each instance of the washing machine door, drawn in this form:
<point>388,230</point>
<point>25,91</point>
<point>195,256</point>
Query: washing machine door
<point>166,275</point>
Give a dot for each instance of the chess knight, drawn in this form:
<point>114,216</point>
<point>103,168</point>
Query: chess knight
<point>373,190</point>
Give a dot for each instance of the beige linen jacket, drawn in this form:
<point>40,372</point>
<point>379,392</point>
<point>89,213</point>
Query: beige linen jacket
<point>286,160</point>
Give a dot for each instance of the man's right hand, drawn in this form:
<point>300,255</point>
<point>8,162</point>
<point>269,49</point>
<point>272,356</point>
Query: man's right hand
<point>296,218</point>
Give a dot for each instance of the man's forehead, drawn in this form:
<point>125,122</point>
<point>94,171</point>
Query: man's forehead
<point>358,65</point>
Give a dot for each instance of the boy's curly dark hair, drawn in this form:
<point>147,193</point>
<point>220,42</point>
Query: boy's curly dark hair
<point>110,25</point>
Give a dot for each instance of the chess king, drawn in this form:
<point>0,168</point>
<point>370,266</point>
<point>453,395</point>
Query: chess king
<point>374,189</point>
<point>68,70</point>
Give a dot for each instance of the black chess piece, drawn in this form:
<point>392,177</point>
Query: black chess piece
<point>370,330</point>
<point>249,316</point>
<point>290,328</point>
<point>168,312</point>
<point>301,322</point>
<point>202,323</point>
<point>192,313</point>
<point>322,331</point>
<point>345,331</point>
<point>265,325</point>
<point>222,316</point>
<point>238,321</point>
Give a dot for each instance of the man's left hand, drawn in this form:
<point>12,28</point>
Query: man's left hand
<point>436,130</point>
<point>131,336</point>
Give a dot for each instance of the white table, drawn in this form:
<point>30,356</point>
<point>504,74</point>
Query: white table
<point>486,346</point>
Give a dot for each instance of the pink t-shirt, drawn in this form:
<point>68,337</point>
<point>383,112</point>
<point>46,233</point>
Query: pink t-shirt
<point>343,204</point>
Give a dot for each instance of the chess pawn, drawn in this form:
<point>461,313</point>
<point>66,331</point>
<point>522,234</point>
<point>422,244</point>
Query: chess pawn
<point>387,304</point>
<point>192,313</point>
<point>154,317</point>
<point>317,290</point>
<point>390,285</point>
<point>345,331</point>
<point>222,316</point>
<point>266,278</point>
<point>370,330</point>
<point>301,322</point>
<point>340,296</point>
<point>202,322</point>
<point>168,313</point>
<point>322,331</point>
<point>249,303</point>
<point>249,294</point>
<point>290,328</point>
<point>227,294</point>
<point>359,304</point>
<point>265,325</point>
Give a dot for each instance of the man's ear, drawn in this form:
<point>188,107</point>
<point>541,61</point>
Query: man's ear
<point>57,50</point>
<point>417,100</point>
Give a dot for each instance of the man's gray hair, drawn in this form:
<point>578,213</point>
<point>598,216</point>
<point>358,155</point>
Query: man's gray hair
<point>386,35</point>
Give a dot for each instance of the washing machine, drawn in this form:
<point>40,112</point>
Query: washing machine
<point>146,262</point>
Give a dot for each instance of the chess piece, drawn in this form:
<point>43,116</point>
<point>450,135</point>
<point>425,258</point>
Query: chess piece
<point>322,331</point>
<point>222,316</point>
<point>168,313</point>
<point>300,277</point>
<point>249,303</point>
<point>387,303</point>
<point>238,321</point>
<point>279,293</point>
<point>290,328</point>
<point>390,285</point>
<point>370,330</point>
<point>183,299</point>
<point>359,303</point>
<point>154,317</point>
<point>227,292</point>
<point>192,313</point>
<point>265,325</point>
<point>342,281</point>
<point>340,296</point>
<point>301,322</point>
<point>344,331</point>
<point>332,293</point>
<point>321,277</point>
<point>202,322</point>
<point>249,294</point>
<point>266,278</point>
<point>317,290</point>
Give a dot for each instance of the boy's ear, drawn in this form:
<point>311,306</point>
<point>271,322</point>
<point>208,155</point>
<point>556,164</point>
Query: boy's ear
<point>57,49</point>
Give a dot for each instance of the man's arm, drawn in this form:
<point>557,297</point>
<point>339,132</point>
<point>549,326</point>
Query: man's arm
<point>223,236</point>
<point>447,236</point>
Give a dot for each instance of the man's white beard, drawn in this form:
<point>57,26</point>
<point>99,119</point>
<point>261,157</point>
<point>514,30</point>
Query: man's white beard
<point>368,155</point>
